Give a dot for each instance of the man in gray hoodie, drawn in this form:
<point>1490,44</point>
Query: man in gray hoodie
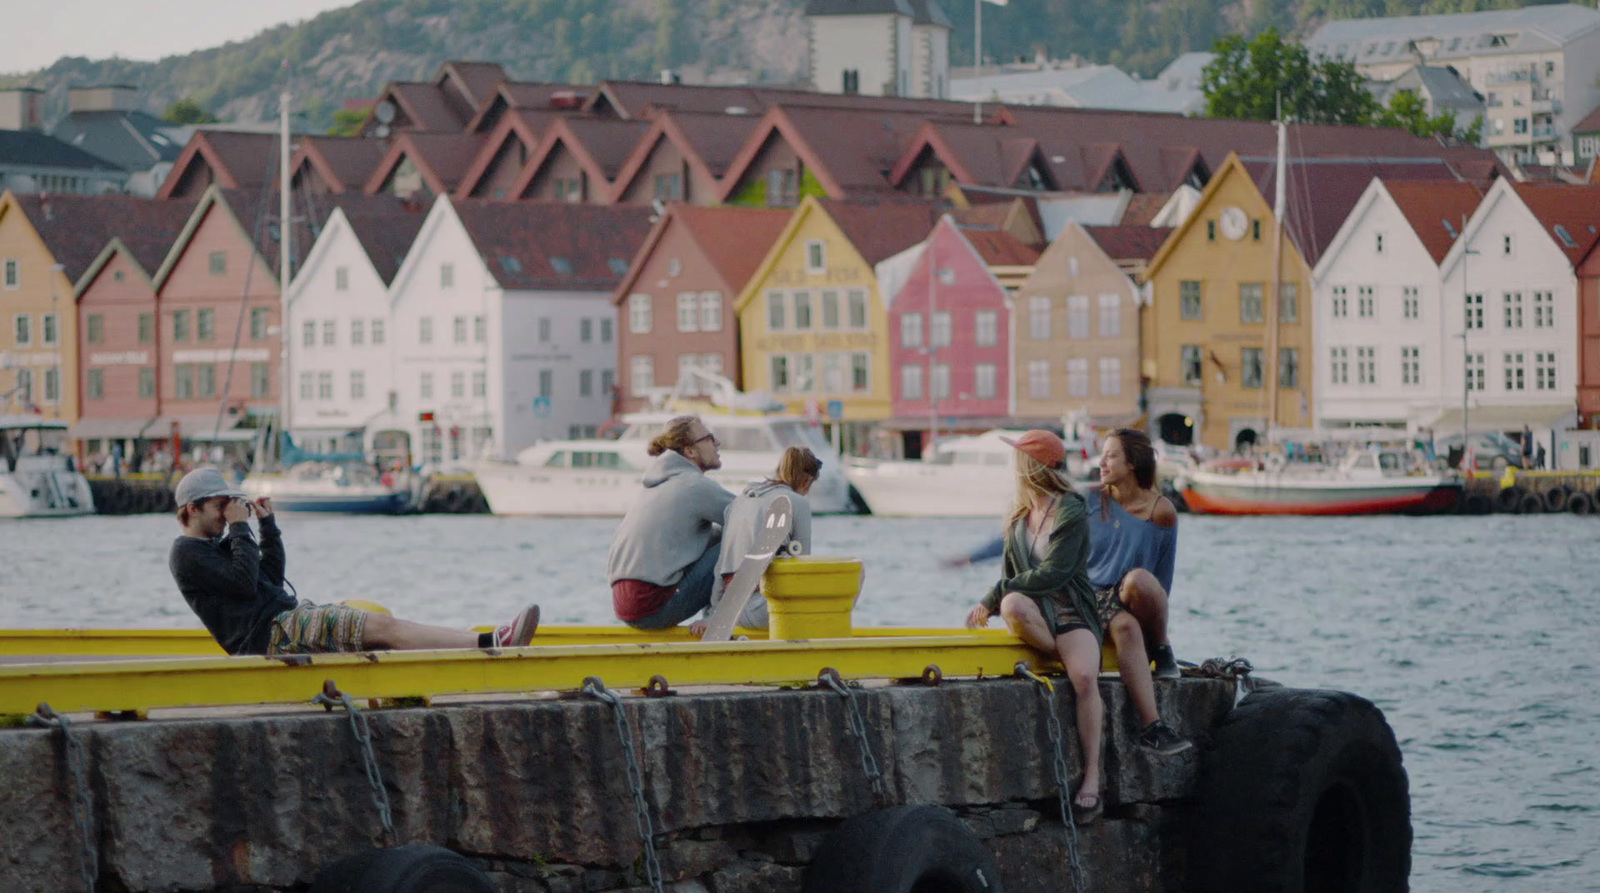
<point>663,558</point>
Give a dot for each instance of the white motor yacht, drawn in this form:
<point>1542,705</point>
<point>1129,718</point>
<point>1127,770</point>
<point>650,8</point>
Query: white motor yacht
<point>967,477</point>
<point>38,479</point>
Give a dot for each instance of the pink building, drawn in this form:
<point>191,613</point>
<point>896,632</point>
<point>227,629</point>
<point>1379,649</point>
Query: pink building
<point>949,331</point>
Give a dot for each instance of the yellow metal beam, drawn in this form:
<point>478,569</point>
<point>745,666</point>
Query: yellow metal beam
<point>109,687</point>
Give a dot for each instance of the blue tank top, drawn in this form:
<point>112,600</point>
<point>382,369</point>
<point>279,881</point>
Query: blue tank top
<point>1120,542</point>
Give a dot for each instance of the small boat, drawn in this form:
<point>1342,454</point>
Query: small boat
<point>1366,482</point>
<point>349,488</point>
<point>37,479</point>
<point>968,477</point>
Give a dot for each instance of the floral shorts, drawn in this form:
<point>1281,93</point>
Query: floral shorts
<point>317,629</point>
<point>1063,617</point>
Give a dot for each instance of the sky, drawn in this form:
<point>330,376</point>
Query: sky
<point>38,32</point>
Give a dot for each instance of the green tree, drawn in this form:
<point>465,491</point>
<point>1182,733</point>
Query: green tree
<point>1248,79</point>
<point>187,111</point>
<point>1406,109</point>
<point>347,122</point>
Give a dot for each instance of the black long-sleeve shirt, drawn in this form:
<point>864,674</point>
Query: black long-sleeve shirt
<point>234,585</point>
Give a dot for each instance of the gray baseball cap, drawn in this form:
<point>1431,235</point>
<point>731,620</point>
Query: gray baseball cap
<point>204,483</point>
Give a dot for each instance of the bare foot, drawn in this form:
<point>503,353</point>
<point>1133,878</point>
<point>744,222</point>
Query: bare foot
<point>1086,806</point>
<point>698,629</point>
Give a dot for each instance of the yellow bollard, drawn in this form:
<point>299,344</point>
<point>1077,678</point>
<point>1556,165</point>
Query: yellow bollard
<point>811,597</point>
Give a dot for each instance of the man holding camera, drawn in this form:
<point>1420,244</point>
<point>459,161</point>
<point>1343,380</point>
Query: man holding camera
<point>237,588</point>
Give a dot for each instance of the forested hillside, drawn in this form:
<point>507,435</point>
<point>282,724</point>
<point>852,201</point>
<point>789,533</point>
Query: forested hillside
<point>351,52</point>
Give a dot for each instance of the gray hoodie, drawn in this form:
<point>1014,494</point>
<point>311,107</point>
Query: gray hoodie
<point>743,522</point>
<point>671,524</point>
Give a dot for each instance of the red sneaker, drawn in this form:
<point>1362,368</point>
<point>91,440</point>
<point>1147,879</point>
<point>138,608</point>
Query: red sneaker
<point>518,632</point>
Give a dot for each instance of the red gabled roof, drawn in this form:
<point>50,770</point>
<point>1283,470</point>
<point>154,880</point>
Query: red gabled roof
<point>441,158</point>
<point>694,135</point>
<point>1129,242</point>
<point>639,99</point>
<point>601,146</point>
<point>514,125</point>
<point>999,248</point>
<point>386,228</point>
<point>1590,122</point>
<point>343,163</point>
<point>529,97</point>
<point>1437,211</point>
<point>473,82</point>
<point>734,240</point>
<point>425,107</point>
<point>236,160</point>
<point>77,228</point>
<point>554,245</point>
<point>880,230</point>
<point>974,153</point>
<point>1143,208</point>
<point>1569,215</point>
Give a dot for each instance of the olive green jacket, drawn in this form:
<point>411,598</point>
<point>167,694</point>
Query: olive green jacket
<point>1062,578</point>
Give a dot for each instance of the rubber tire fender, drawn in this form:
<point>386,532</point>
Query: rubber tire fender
<point>1530,504</point>
<point>1555,499</point>
<point>902,849</point>
<point>1476,504</point>
<point>416,868</point>
<point>1303,786</point>
<point>1508,499</point>
<point>1580,503</point>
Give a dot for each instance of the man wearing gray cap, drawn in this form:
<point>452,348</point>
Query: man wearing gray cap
<point>237,588</point>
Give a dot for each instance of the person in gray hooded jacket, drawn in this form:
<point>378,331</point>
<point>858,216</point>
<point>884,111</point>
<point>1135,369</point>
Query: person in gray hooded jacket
<point>797,471</point>
<point>663,558</point>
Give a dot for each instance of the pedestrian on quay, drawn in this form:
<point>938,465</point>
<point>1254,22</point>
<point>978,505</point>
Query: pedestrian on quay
<point>797,470</point>
<point>1046,598</point>
<point>663,558</point>
<point>238,589</point>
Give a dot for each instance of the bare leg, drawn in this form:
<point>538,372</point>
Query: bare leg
<point>1022,617</point>
<point>1147,602</point>
<point>1080,654</point>
<point>1134,664</point>
<point>383,631</point>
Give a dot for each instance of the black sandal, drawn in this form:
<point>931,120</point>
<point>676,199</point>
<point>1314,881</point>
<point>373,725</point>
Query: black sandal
<point>1084,815</point>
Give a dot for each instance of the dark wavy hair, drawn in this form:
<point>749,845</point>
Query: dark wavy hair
<point>1141,456</point>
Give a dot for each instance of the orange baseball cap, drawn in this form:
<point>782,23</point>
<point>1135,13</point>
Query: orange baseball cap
<point>1041,445</point>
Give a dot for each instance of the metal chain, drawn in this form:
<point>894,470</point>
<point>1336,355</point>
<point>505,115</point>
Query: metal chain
<point>1063,773</point>
<point>1236,668</point>
<point>856,725</point>
<point>363,735</point>
<point>593,687</point>
<point>82,806</point>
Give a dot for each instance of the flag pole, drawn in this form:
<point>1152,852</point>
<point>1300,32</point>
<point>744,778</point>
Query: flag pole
<point>977,57</point>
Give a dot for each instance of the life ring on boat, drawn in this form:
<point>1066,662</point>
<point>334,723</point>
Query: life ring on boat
<point>404,869</point>
<point>1555,498</point>
<point>1580,503</point>
<point>1275,463</point>
<point>1299,785</point>
<point>1508,499</point>
<point>902,849</point>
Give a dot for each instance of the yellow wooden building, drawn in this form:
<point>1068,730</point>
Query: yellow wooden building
<point>38,313</point>
<point>812,324</point>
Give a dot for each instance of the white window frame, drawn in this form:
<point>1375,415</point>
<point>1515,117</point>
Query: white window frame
<point>13,274</point>
<point>816,256</point>
<point>424,330</point>
<point>1110,316</point>
<point>1039,379</point>
<point>639,314</point>
<point>1366,365</point>
<point>641,374</point>
<point>1411,302</point>
<point>911,382</point>
<point>1077,316</point>
<point>688,311</point>
<point>1338,365</point>
<point>330,333</point>
<point>939,329</point>
<point>376,331</point>
<point>777,312</point>
<point>984,380</point>
<point>425,385</point>
<point>911,330</point>
<point>1039,317</point>
<point>941,381</point>
<point>986,328</point>
<point>1110,376</point>
<point>358,384</point>
<point>711,311</point>
<point>22,329</point>
<point>1077,376</point>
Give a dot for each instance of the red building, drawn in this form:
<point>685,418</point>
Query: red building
<point>1589,338</point>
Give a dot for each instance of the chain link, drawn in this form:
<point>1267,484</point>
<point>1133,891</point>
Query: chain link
<point>82,806</point>
<point>1063,773</point>
<point>363,735</point>
<point>1236,668</point>
<point>593,687</point>
<point>856,725</point>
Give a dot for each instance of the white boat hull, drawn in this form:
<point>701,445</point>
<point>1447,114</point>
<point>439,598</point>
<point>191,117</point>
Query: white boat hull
<point>514,489</point>
<point>918,490</point>
<point>44,493</point>
<point>1268,493</point>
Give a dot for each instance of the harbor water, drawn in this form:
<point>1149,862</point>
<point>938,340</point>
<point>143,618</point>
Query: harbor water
<point>1477,636</point>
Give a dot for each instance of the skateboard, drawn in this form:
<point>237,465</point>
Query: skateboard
<point>774,533</point>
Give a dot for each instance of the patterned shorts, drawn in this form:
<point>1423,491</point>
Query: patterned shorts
<point>1107,605</point>
<point>317,629</point>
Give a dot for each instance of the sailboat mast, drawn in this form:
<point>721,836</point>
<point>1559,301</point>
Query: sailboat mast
<point>1269,363</point>
<point>284,231</point>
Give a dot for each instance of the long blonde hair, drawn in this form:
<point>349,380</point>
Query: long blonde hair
<point>796,466</point>
<point>1033,477</point>
<point>677,436</point>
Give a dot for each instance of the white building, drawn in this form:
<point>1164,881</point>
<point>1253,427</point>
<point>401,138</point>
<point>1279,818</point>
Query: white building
<point>879,47</point>
<point>1070,85</point>
<point>1538,67</point>
<point>503,327</point>
<point>1511,290</point>
<point>1379,332</point>
<point>338,328</point>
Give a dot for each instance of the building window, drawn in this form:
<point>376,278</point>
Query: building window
<point>860,372</point>
<point>939,329</point>
<point>1366,305</point>
<point>324,385</point>
<point>1341,302</point>
<point>1380,243</point>
<point>1513,308</point>
<point>585,330</point>
<point>816,257</point>
<point>425,330</point>
<point>147,384</point>
<point>1110,376</point>
<point>94,384</point>
<point>447,275</point>
<point>459,329</point>
<point>643,375</point>
<point>1366,365</point>
<point>986,328</point>
<point>260,380</point>
<point>910,330</point>
<point>1289,302</point>
<point>1411,365</point>
<point>24,330</point>
<point>219,263</point>
<point>1110,316</point>
<point>941,381</point>
<point>94,328</point>
<point>711,311</point>
<point>205,381</point>
<point>1189,306</point>
<point>1475,371</point>
<point>639,314</point>
<point>1339,365</point>
<point>1250,367</point>
<point>984,376</point>
<point>586,383</point>
<point>688,312</point>
<point>778,374</point>
<point>1250,302</point>
<point>308,385</point>
<point>802,311</point>
<point>48,324</point>
<point>1289,367</point>
<point>607,382</point>
<point>358,332</point>
<point>425,385</point>
<point>205,328</point>
<point>458,385</point>
<point>480,384</point>
<point>341,279</point>
<point>330,332</point>
<point>13,278</point>
<point>830,310</point>
<point>775,312</point>
<point>377,332</point>
<point>782,189</point>
<point>1077,316</point>
<point>358,384</point>
<point>1039,318</point>
<point>1039,379</point>
<point>480,329</point>
<point>1192,362</point>
<point>308,333</point>
<point>1544,310</point>
<point>1078,377</point>
<point>605,331</point>
<point>1474,305</point>
<point>259,320</point>
<point>1410,302</point>
<point>857,299</point>
<point>52,385</point>
<point>668,187</point>
<point>180,325</point>
<point>1516,374</point>
<point>1544,371</point>
<point>147,328</point>
<point>24,389</point>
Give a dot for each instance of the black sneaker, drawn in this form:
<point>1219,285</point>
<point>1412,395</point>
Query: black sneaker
<point>1159,737</point>
<point>1166,663</point>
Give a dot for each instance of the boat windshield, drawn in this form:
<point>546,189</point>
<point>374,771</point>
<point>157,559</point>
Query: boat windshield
<point>586,459</point>
<point>803,435</point>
